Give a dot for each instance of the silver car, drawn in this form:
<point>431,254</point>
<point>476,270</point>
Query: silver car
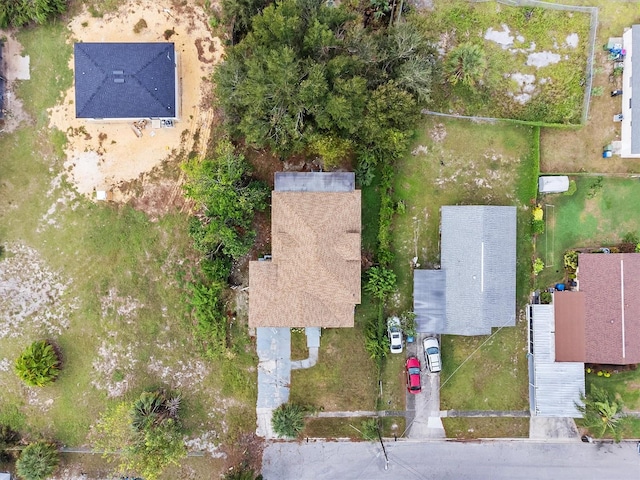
<point>394,331</point>
<point>432,354</point>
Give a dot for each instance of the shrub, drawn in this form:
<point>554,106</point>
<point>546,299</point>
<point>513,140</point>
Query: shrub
<point>141,25</point>
<point>8,439</point>
<point>571,260</point>
<point>37,461</point>
<point>538,266</point>
<point>288,420</point>
<point>381,282</point>
<point>545,298</point>
<point>537,227</point>
<point>538,213</point>
<point>38,365</point>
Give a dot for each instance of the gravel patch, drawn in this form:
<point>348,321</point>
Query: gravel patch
<point>32,294</point>
<point>542,59</point>
<point>206,442</point>
<point>114,368</point>
<point>501,37</point>
<point>188,374</point>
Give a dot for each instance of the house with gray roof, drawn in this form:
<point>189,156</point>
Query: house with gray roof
<point>126,80</point>
<point>476,288</point>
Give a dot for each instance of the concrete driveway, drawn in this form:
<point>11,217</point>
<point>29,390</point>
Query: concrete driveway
<point>425,406</point>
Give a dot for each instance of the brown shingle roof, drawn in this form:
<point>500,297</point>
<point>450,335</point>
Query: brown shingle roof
<point>611,285</point>
<point>569,326</point>
<point>313,278</point>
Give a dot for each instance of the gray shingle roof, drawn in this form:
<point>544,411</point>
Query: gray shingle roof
<point>429,300</point>
<point>478,255</point>
<point>315,181</point>
<point>125,80</point>
<point>556,385</point>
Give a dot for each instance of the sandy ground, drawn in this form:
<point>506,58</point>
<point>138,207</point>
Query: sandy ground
<point>103,155</point>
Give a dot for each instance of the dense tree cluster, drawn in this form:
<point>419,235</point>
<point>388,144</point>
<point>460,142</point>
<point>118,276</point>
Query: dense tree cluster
<point>308,78</point>
<point>16,13</point>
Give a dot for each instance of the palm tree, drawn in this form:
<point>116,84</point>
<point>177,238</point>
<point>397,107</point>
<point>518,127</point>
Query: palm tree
<point>602,413</point>
<point>38,365</point>
<point>37,461</point>
<point>466,64</point>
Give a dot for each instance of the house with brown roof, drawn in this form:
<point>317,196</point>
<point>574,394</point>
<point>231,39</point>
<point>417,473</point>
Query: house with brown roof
<point>313,276</point>
<point>600,323</point>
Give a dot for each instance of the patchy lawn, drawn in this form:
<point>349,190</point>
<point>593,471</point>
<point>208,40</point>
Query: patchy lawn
<point>103,282</point>
<point>536,60</point>
<point>625,384</point>
<point>600,213</point>
<point>461,162</point>
<point>486,427</point>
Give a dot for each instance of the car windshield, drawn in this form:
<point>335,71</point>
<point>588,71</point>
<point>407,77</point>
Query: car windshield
<point>414,371</point>
<point>432,350</point>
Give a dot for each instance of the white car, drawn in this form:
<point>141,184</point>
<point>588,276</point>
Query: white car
<point>395,334</point>
<point>432,354</point>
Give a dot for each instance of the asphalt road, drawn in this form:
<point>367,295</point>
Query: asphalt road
<point>491,460</point>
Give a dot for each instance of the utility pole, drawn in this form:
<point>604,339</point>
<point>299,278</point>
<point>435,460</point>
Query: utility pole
<point>384,450</point>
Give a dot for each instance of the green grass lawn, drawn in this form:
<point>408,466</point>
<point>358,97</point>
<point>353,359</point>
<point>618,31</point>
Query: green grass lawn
<point>486,427</point>
<point>344,377</point>
<point>600,213</point>
<point>460,162</point>
<point>123,300</point>
<point>348,427</point>
<point>625,385</point>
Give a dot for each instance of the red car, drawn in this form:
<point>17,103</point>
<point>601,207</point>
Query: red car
<point>413,375</point>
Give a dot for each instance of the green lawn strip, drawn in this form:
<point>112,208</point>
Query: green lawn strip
<point>469,163</point>
<point>592,217</point>
<point>370,214</point>
<point>345,427</point>
<point>299,350</point>
<point>468,428</point>
<point>624,384</point>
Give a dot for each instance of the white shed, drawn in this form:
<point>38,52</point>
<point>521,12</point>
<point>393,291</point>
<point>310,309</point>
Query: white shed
<point>5,476</point>
<point>553,184</point>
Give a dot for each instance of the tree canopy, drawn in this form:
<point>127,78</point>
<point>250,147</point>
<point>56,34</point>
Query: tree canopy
<point>227,199</point>
<point>16,13</point>
<point>308,78</point>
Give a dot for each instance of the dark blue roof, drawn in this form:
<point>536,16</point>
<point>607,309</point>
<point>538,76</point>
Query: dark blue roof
<point>125,80</point>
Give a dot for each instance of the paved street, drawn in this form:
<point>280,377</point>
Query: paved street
<point>492,460</point>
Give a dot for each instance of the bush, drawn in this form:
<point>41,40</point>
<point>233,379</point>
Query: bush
<point>369,429</point>
<point>37,461</point>
<point>570,260</point>
<point>380,282</point>
<point>538,213</point>
<point>537,227</point>
<point>545,298</point>
<point>538,266</point>
<point>16,13</point>
<point>38,365</point>
<point>141,25</point>
<point>288,420</point>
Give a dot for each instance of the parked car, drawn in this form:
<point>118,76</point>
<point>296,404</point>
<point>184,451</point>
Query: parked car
<point>394,330</point>
<point>412,370</point>
<point>432,354</point>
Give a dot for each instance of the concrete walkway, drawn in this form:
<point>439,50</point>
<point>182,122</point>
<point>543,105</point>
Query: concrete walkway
<point>313,344</point>
<point>543,428</point>
<point>485,413</point>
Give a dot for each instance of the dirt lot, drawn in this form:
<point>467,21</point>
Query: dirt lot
<point>106,156</point>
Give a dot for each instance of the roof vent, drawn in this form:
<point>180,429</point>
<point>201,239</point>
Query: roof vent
<point>118,80</point>
<point>118,72</point>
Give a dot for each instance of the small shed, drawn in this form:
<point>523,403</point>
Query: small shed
<point>5,476</point>
<point>553,184</point>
